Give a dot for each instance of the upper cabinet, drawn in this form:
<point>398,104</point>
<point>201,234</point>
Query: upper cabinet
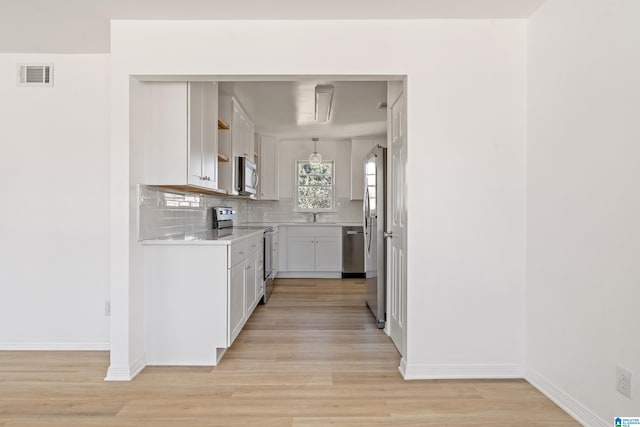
<point>267,167</point>
<point>179,130</point>
<point>360,146</point>
<point>237,141</point>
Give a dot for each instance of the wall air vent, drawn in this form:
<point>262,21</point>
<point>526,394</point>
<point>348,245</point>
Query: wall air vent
<point>35,74</point>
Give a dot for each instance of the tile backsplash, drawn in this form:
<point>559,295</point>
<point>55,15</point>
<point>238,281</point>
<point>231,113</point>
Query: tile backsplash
<point>165,212</point>
<point>282,211</point>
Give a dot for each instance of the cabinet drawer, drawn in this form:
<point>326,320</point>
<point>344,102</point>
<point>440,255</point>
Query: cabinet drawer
<point>237,252</point>
<point>254,243</point>
<point>318,230</point>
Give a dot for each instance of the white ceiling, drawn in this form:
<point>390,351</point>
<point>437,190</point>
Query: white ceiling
<point>82,26</point>
<point>287,108</point>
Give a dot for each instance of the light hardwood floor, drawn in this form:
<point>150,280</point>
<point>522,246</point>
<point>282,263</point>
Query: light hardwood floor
<point>311,357</point>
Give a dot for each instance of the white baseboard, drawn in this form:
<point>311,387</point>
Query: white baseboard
<point>54,346</point>
<point>448,371</point>
<point>403,368</point>
<point>309,275</point>
<point>125,373</point>
<point>570,405</point>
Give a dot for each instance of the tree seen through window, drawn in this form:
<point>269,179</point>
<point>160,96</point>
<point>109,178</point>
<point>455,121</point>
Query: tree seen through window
<point>314,186</point>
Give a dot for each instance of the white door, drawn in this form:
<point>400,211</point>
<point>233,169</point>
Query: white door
<point>396,226</point>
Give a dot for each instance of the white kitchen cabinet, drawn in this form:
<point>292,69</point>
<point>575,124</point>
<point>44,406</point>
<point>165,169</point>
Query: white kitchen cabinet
<point>301,253</point>
<point>245,281</point>
<point>250,280</point>
<point>237,309</point>
<point>360,146</point>
<point>314,249</point>
<point>268,167</point>
<point>238,140</point>
<point>239,130</point>
<point>198,298</point>
<point>283,251</point>
<point>328,255</point>
<point>179,134</point>
<point>186,304</point>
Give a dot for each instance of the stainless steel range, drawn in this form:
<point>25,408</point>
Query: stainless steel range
<point>223,217</point>
<point>269,267</point>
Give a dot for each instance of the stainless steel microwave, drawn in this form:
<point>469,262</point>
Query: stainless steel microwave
<point>247,177</point>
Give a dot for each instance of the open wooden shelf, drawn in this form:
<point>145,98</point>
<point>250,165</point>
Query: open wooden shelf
<point>222,124</point>
<point>223,158</point>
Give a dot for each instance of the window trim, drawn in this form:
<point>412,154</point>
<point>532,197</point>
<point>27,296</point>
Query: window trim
<point>296,207</point>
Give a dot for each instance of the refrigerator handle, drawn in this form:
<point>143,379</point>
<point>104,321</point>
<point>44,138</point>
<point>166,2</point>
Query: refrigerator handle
<point>366,228</point>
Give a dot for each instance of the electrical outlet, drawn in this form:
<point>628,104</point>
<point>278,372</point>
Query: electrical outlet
<point>107,308</point>
<point>623,381</point>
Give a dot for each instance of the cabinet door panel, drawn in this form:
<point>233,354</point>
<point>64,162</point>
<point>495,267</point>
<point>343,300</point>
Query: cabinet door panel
<point>236,301</point>
<point>250,283</point>
<point>210,135</point>
<point>328,255</point>
<point>248,137</point>
<point>300,253</point>
<point>238,131</point>
<point>268,161</point>
<point>195,136</point>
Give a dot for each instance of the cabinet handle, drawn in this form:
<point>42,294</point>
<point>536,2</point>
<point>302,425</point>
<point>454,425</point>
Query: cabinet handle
<point>241,253</point>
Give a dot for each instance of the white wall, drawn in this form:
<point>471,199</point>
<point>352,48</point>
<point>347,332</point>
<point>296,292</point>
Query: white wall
<point>54,221</point>
<point>292,150</point>
<point>466,127</point>
<point>466,208</point>
<point>583,279</point>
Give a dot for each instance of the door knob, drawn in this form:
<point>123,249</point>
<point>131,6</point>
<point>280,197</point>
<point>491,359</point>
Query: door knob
<point>388,235</point>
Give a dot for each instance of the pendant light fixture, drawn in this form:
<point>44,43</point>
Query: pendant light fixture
<point>315,158</point>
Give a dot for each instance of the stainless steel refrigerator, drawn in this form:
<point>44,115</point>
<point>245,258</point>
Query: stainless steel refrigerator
<point>374,227</point>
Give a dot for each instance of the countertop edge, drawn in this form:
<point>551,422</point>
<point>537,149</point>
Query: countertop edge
<point>206,240</point>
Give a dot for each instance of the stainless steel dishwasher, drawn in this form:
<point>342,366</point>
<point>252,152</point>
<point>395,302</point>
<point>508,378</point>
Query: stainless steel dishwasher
<point>352,251</point>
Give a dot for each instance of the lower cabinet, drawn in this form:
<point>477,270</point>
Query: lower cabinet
<point>301,253</point>
<point>237,311</point>
<point>198,297</point>
<point>245,290</point>
<point>314,249</point>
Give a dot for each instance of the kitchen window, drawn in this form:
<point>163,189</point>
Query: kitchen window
<point>315,186</point>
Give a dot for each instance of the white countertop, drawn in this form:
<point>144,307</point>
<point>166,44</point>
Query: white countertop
<point>214,237</point>
<point>209,237</point>
<point>305,224</point>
